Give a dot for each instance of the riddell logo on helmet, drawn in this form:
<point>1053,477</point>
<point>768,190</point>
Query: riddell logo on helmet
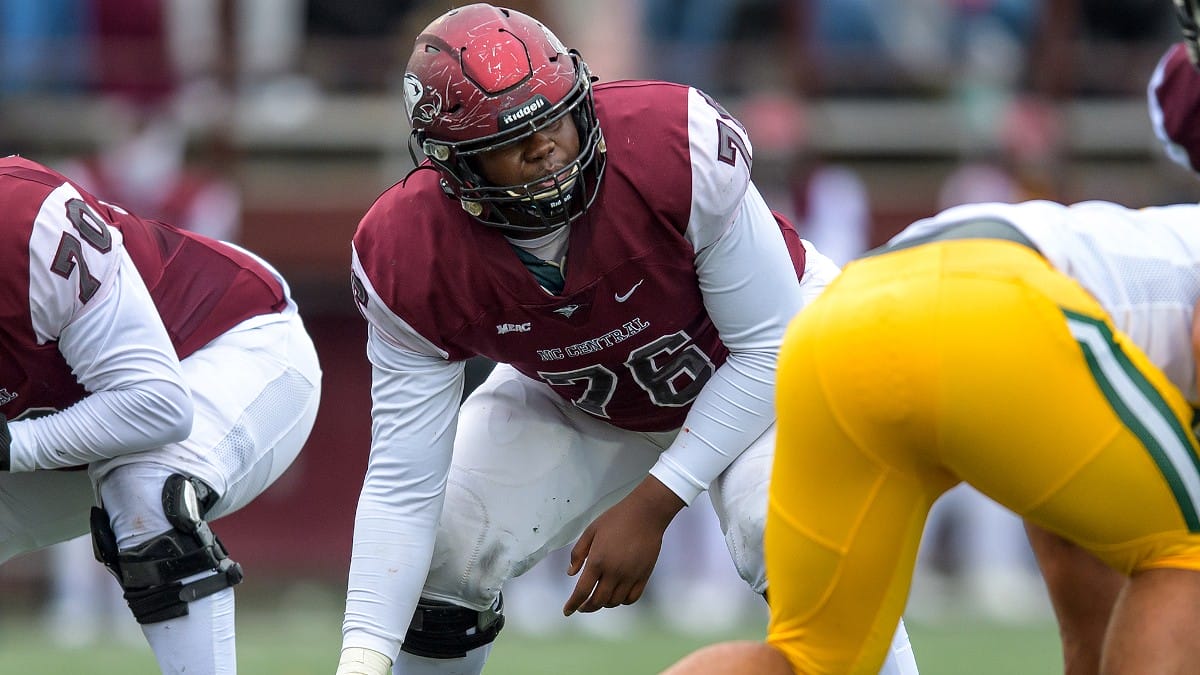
<point>528,109</point>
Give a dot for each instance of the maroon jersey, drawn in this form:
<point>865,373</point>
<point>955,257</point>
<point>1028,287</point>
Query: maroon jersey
<point>1174,95</point>
<point>56,237</point>
<point>628,339</point>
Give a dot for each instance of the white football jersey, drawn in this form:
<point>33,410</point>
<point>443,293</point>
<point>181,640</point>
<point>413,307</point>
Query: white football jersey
<point>1141,265</point>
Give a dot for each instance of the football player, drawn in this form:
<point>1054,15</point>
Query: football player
<point>1082,589</point>
<point>605,245</point>
<point>153,380</point>
<point>1045,354</point>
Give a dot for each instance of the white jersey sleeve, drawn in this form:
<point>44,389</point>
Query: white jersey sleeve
<point>86,294</point>
<point>720,170</point>
<point>751,292</point>
<point>392,328</point>
<point>416,394</point>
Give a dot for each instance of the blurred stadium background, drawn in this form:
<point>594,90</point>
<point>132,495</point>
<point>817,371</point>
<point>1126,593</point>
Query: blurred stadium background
<point>865,115</point>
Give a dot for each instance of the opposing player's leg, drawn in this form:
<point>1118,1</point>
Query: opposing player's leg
<point>529,474</point>
<point>844,522</point>
<point>255,391</point>
<point>1154,624</point>
<point>914,370</point>
<point>739,497</point>
<point>1096,419</point>
<point>733,658</point>
<point>1083,591</point>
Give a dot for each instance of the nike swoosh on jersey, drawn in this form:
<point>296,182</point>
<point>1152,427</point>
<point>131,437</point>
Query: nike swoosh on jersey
<point>622,297</point>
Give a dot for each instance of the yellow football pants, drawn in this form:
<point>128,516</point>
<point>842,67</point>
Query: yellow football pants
<point>967,360</point>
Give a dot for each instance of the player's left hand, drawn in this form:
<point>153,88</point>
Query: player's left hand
<point>620,549</point>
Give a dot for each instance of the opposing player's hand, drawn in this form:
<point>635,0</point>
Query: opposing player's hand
<point>362,661</point>
<point>617,552</point>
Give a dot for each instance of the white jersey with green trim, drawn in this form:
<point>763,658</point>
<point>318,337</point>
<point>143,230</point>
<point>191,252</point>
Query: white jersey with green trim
<point>1141,265</point>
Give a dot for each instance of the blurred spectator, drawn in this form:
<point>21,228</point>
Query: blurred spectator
<point>354,40</point>
<point>1119,41</point>
<point>132,57</point>
<point>143,165</point>
<point>724,47</point>
<point>980,179</point>
<point>85,606</point>
<point>828,202</point>
<point>1020,159</point>
<point>601,32</point>
<point>155,153</point>
<point>356,46</point>
<point>241,43</point>
<point>43,46</point>
<point>689,37</point>
<point>250,50</point>
<point>906,43</point>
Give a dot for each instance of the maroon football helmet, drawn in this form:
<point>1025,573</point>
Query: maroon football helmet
<point>481,77</point>
<point>1174,102</point>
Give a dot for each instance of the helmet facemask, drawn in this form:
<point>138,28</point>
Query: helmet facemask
<point>481,78</point>
<point>540,206</point>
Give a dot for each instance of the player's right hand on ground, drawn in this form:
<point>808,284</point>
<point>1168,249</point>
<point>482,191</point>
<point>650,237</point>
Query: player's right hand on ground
<point>363,661</point>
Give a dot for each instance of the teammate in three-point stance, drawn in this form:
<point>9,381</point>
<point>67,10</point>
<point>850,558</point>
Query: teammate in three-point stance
<point>154,378</point>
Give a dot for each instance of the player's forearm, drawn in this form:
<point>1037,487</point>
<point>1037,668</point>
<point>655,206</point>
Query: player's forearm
<point>415,406</point>
<point>391,554</point>
<point>101,426</point>
<point>735,408</point>
<point>395,524</point>
<point>751,291</point>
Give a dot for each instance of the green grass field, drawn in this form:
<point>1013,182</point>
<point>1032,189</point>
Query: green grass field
<point>299,634</point>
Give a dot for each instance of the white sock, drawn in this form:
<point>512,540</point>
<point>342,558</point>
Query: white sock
<point>900,659</point>
<point>201,643</point>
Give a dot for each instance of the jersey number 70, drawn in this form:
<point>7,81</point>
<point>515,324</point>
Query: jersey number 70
<point>69,255</point>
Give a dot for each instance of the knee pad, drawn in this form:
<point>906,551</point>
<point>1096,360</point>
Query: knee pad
<point>152,573</point>
<point>440,630</point>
